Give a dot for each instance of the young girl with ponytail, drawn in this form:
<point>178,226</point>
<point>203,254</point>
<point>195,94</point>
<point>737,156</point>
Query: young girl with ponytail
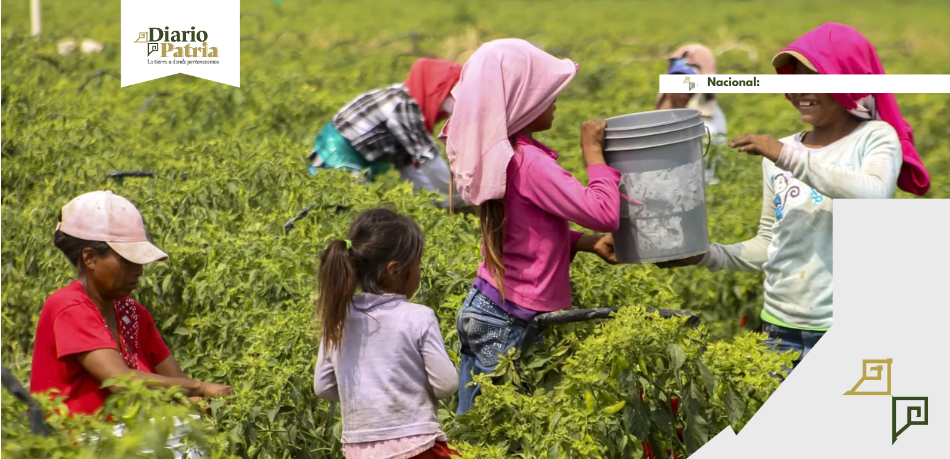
<point>381,357</point>
<point>527,200</point>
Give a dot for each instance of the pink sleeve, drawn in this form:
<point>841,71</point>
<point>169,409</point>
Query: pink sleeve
<point>553,189</point>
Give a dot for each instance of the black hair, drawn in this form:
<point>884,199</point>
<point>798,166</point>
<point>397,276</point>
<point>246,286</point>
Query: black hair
<point>376,237</point>
<point>72,246</point>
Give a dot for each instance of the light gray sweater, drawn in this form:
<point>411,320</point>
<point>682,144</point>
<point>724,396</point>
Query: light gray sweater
<point>389,372</point>
<point>794,245</point>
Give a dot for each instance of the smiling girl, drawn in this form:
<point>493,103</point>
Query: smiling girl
<point>860,147</point>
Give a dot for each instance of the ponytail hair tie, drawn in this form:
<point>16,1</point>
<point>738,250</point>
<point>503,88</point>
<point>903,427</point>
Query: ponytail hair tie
<point>349,244</point>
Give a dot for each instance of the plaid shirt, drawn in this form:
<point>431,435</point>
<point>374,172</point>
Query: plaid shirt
<point>387,123</point>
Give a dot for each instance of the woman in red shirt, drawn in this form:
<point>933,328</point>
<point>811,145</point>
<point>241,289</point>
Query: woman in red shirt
<point>91,330</point>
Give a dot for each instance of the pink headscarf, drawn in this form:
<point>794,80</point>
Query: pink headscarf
<point>505,86</point>
<point>838,49</point>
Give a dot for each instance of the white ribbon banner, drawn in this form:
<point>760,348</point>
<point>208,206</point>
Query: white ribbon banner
<point>805,84</point>
<point>201,39</point>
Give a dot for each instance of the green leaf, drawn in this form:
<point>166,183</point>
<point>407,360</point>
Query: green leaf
<point>677,356</point>
<point>709,379</point>
<point>696,433</point>
<point>734,408</point>
<point>661,417</point>
<point>538,362</point>
<point>636,419</point>
<point>694,397</point>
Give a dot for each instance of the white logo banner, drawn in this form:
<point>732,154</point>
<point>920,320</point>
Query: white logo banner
<point>805,84</point>
<point>201,39</point>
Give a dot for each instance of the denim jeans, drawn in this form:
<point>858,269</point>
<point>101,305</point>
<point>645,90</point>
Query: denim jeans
<point>784,339</point>
<point>485,332</point>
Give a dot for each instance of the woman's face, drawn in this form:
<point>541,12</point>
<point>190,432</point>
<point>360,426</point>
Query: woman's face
<point>546,120</point>
<point>816,109</point>
<point>111,276</point>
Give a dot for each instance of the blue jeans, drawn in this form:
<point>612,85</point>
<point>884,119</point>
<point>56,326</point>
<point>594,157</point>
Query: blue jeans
<point>485,332</point>
<point>784,339</point>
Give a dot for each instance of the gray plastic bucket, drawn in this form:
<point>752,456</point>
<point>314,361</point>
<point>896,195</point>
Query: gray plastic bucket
<point>652,140</point>
<point>665,173</point>
<point>628,133</point>
<point>652,122</point>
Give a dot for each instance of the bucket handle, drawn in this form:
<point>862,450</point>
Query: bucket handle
<point>709,142</point>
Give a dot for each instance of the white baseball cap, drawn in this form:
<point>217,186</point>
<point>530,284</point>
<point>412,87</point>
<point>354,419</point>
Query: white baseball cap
<point>106,217</point>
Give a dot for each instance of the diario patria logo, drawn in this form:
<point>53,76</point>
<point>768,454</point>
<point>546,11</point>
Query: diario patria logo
<point>875,373</point>
<point>169,43</point>
<point>201,39</point>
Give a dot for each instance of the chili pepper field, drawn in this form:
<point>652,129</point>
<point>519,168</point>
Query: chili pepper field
<point>235,301</point>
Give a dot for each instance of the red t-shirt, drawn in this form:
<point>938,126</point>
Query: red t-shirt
<point>71,324</point>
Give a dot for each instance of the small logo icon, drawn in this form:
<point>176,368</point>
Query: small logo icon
<point>689,83</point>
<point>918,418</point>
<point>878,368</point>
<point>143,37</point>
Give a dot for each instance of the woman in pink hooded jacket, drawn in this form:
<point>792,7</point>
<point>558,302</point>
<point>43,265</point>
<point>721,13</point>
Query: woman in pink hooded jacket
<point>527,200</point>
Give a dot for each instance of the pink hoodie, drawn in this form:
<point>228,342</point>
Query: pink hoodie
<point>504,86</point>
<point>541,199</point>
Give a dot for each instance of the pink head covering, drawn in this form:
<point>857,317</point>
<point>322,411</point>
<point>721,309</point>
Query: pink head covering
<point>504,87</point>
<point>838,49</point>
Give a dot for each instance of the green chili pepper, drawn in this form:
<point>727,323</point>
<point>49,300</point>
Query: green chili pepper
<point>615,408</point>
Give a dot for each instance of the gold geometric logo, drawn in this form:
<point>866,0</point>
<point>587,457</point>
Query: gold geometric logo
<point>143,38</point>
<point>873,370</point>
<point>917,408</point>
